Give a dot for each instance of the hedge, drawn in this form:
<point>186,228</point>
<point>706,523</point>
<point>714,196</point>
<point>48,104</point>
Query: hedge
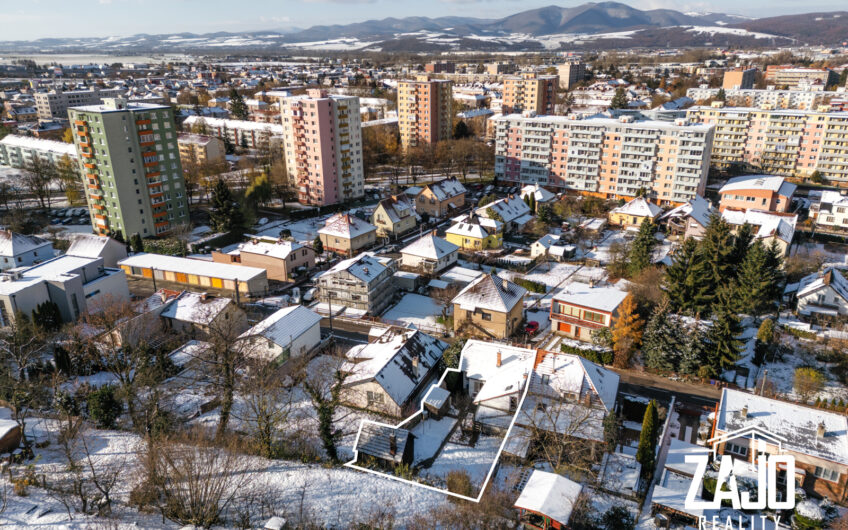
<point>599,357</point>
<point>530,285</point>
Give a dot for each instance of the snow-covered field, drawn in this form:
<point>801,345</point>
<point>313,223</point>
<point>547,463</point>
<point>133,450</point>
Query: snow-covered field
<point>477,461</point>
<point>552,274</point>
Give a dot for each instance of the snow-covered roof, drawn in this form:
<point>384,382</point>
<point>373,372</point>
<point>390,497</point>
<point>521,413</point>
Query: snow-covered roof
<point>364,266</point>
<point>285,325</point>
<point>549,494</point>
<point>603,298</point>
<point>461,275</point>
<point>479,359</point>
<point>832,197</point>
<point>510,209</point>
<point>430,247</point>
<point>277,249</point>
<point>397,208</point>
<point>796,424</point>
<point>87,245</point>
<point>192,266</point>
<point>39,144</point>
<point>548,240</point>
<point>639,207</point>
<point>346,226</point>
<point>466,229</point>
<point>830,276</point>
<point>676,457</point>
<point>771,183</point>
<point>767,224</point>
<point>272,128</point>
<point>572,374</point>
<point>491,293</point>
<point>447,188</point>
<point>390,361</point>
<point>196,308</point>
<point>13,244</point>
<point>697,208</point>
<point>539,193</point>
<point>376,440</point>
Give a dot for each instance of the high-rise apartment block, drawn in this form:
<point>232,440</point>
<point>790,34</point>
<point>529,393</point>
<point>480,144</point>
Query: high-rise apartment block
<point>571,73</point>
<point>54,105</point>
<point>779,142</point>
<point>793,77</point>
<point>130,164</point>
<point>322,137</point>
<point>605,157</point>
<point>530,92</point>
<point>739,79</point>
<point>424,111</point>
<point>773,98</point>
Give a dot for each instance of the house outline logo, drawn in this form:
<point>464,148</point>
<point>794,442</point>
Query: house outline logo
<point>756,433</point>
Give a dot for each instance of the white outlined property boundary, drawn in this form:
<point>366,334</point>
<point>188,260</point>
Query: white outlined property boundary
<point>352,463</point>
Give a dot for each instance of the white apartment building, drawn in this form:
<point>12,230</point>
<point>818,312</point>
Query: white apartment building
<point>605,157</point>
<point>769,98</point>
<point>55,104</point>
<point>20,151</point>
<point>253,134</point>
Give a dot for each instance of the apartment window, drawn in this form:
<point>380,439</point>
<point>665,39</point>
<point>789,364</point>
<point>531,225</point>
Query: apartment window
<point>827,474</point>
<point>591,316</point>
<point>736,449</point>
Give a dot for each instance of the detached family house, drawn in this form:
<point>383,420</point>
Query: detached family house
<point>472,232</point>
<point>18,250</point>
<point>767,226</point>
<point>689,219</point>
<point>578,309</point>
<point>429,254</point>
<point>346,234</point>
<point>198,313</point>
<point>634,212</point>
<point>94,246</point>
<point>440,198</point>
<point>391,375</point>
<point>770,193</point>
<point>539,194</point>
<point>282,259</point>
<point>490,307</point>
<point>394,216</point>
<point>292,331</point>
<point>511,211</point>
<point>362,283</point>
<point>823,294</point>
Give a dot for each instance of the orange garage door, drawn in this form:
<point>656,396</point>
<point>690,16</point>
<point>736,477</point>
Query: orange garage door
<point>182,277</point>
<point>565,327</point>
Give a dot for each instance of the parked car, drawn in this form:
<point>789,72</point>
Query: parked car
<point>531,327</point>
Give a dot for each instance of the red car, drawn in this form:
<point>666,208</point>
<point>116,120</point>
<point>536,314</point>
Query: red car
<point>531,327</point>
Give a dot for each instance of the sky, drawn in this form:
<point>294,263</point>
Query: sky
<point>32,19</point>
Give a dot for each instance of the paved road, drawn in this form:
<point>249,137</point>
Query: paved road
<point>662,389</point>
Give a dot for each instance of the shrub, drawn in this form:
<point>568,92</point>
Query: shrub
<point>530,285</point>
<point>460,483</point>
<point>618,517</point>
<point>103,407</point>
<point>808,382</point>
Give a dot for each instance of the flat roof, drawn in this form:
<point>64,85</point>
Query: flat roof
<point>193,266</point>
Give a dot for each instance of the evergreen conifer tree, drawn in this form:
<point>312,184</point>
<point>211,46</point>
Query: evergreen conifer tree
<point>754,281</point>
<point>741,244</point>
<point>645,453</point>
<point>662,340</point>
<point>238,108</point>
<point>724,344</point>
<point>226,214</point>
<point>642,248</point>
<point>715,266</point>
<point>318,245</point>
<point>680,278</point>
<point>692,351</point>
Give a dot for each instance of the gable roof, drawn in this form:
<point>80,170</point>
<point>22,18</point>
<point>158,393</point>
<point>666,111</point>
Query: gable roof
<point>539,193</point>
<point>697,208</point>
<point>768,224</point>
<point>573,374</point>
<point>397,208</point>
<point>346,226</point>
<point>389,362</point>
<point>549,494</point>
<point>490,292</point>
<point>771,183</point>
<point>13,244</point>
<point>430,246</point>
<point>830,276</point>
<point>474,226</point>
<point>795,424</point>
<point>88,245</point>
<point>547,240</point>
<point>195,308</point>
<point>284,325</point>
<point>639,207</point>
<point>509,209</point>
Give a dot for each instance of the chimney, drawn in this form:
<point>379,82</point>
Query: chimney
<point>505,283</point>
<point>820,430</point>
<point>393,444</point>
<point>415,365</point>
<point>499,359</point>
<point>164,296</point>
<point>591,283</point>
<point>744,412</point>
<point>204,297</point>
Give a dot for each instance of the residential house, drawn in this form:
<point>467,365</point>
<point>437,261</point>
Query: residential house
<point>440,198</point>
<point>19,250</point>
<point>552,246</point>
<point>204,316</point>
<point>689,219</point>
<point>578,309</point>
<point>199,150</point>
<point>547,501</point>
<point>539,194</point>
<point>363,284</point>
<point>767,226</point>
<point>429,254</point>
<point>770,193</point>
<point>823,294</point>
<point>831,210</point>
<point>347,234</point>
<point>282,259</point>
<point>489,306</point>
<point>816,438</point>
<point>472,232</point>
<point>633,212</point>
<point>394,216</point>
<point>391,374</point>
<point>292,331</point>
<point>512,212</point>
<point>93,246</point>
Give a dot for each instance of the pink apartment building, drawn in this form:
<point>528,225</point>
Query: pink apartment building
<point>322,141</point>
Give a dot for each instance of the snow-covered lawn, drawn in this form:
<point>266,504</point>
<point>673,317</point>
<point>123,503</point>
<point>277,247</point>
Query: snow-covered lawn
<point>416,310</point>
<point>429,435</point>
<point>476,461</point>
<point>552,274</point>
<point>303,231</point>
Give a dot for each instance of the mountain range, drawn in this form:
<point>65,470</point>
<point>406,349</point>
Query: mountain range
<point>603,25</point>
